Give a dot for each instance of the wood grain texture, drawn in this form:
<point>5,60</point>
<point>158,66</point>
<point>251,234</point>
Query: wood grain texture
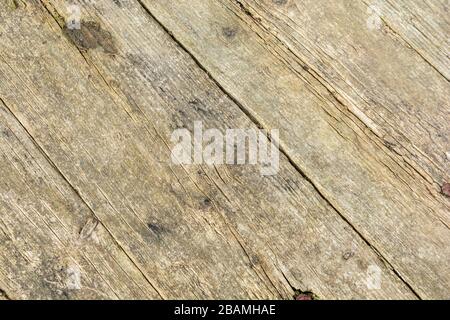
<point>203,237</point>
<point>369,184</point>
<point>423,25</point>
<point>89,187</point>
<point>51,245</point>
<point>112,162</point>
<point>387,78</point>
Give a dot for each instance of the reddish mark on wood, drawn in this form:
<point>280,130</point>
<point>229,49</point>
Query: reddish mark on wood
<point>307,295</point>
<point>446,189</point>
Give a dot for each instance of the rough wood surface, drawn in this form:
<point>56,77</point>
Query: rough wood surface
<point>364,180</point>
<point>386,66</point>
<point>92,207</point>
<point>49,237</point>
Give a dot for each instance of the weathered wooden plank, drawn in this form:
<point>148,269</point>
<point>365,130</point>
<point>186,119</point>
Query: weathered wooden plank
<point>113,162</point>
<point>423,25</point>
<point>51,246</point>
<point>340,150</point>
<point>195,231</point>
<point>386,62</point>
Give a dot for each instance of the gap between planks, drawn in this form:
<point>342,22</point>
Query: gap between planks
<point>250,116</point>
<point>49,160</point>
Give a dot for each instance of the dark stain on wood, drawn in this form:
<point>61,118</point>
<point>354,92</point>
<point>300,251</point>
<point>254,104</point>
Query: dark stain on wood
<point>347,255</point>
<point>157,229</point>
<point>280,2</point>
<point>205,203</point>
<point>91,36</point>
<point>229,32</point>
<point>6,133</point>
<point>88,228</point>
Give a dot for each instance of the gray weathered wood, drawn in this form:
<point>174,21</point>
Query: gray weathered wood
<point>51,245</point>
<point>102,111</point>
<point>393,81</point>
<point>344,152</point>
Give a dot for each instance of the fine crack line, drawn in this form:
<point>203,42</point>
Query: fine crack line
<point>281,148</point>
<point>348,105</point>
<point>101,75</point>
<point>413,48</point>
<point>410,45</point>
<point>46,156</point>
<point>67,181</point>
